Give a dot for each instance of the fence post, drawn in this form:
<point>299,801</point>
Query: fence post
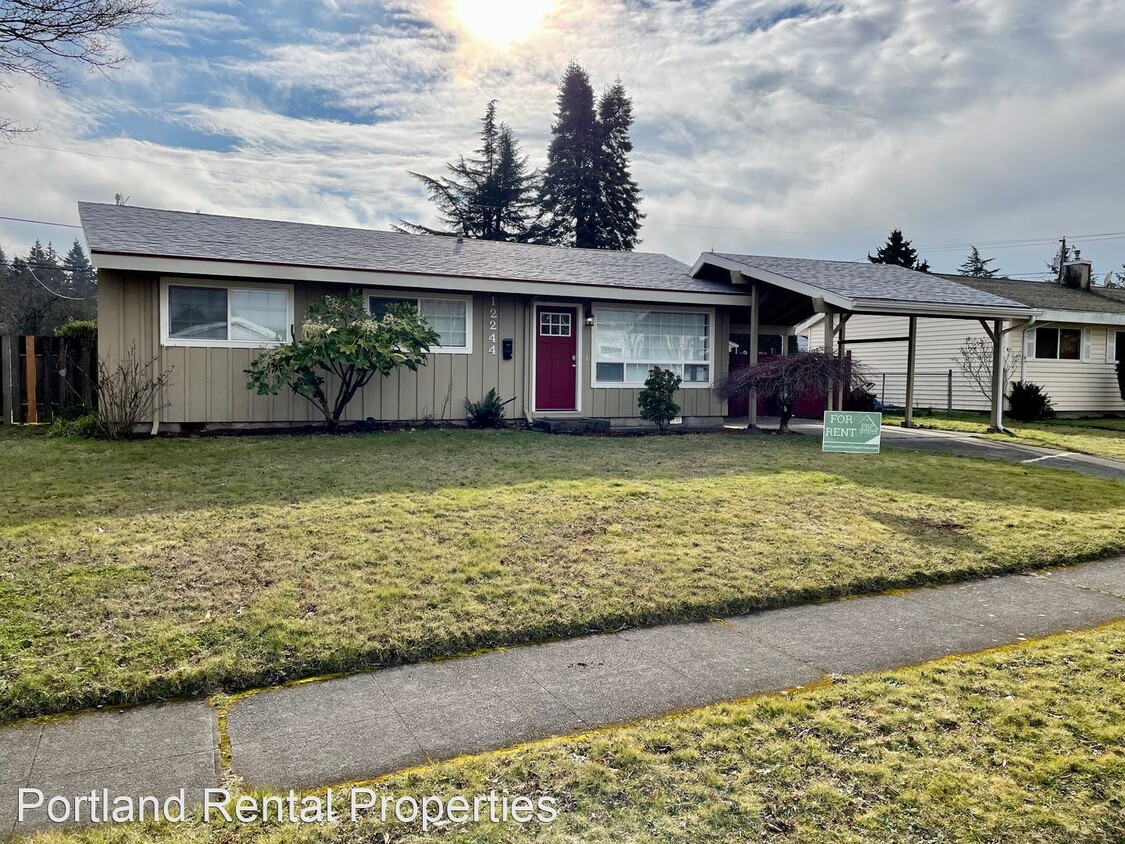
<point>7,382</point>
<point>949,394</point>
<point>30,379</point>
<point>883,392</point>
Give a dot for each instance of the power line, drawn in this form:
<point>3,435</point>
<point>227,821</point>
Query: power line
<point>40,222</point>
<point>940,246</point>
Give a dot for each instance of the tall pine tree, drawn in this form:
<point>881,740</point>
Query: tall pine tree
<point>976,266</point>
<point>570,188</point>
<point>897,250</point>
<point>588,197</point>
<point>617,220</point>
<point>489,197</point>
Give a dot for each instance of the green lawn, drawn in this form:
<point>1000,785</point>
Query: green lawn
<point>1025,745</point>
<point>130,571</point>
<point>1105,437</point>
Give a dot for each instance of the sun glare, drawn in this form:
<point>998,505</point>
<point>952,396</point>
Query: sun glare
<point>502,21</point>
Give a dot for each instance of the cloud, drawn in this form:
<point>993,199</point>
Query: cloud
<point>762,125</point>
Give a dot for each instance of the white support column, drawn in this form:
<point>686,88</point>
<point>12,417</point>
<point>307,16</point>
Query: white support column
<point>911,357</point>
<point>829,336</point>
<point>755,324</point>
<point>999,338</point>
<point>841,353</point>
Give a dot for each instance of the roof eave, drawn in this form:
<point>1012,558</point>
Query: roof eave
<point>941,309</point>
<point>171,265</point>
<point>813,292</point>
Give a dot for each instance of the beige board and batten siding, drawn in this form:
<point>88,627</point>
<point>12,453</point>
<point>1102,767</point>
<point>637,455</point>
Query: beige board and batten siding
<point>208,383</point>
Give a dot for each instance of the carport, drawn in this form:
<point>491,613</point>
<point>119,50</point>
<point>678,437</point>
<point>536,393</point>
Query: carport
<point>788,291</point>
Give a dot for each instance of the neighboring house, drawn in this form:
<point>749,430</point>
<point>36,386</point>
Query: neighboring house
<point>566,333</point>
<point>1070,347</point>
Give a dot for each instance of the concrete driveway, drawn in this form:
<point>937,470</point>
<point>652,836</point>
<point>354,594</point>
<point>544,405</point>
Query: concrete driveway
<point>972,445</point>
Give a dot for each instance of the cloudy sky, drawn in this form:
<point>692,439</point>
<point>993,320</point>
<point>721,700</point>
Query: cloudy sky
<point>763,126</point>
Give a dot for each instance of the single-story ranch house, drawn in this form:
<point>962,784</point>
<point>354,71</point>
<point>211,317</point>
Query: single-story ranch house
<point>1070,348</point>
<point>567,333</point>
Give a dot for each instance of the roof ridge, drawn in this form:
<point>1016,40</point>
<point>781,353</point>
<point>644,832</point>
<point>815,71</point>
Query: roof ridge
<point>474,240</point>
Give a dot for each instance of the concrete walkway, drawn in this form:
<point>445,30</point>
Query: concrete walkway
<point>356,727</point>
<point>962,444</point>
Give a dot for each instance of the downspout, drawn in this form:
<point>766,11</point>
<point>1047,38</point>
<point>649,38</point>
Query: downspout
<point>528,320</point>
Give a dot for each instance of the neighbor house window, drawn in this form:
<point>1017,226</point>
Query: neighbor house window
<point>628,343</point>
<point>1116,347</point>
<point>216,316</point>
<point>450,317</point>
<point>1058,343</point>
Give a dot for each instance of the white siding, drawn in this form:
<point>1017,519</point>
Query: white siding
<point>1086,386</point>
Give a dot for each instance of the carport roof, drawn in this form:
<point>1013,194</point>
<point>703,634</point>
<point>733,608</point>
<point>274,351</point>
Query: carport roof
<point>859,287</point>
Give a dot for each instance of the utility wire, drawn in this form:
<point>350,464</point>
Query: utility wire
<point>940,246</point>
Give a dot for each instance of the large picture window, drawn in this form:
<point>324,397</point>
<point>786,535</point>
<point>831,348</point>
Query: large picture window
<point>449,317</point>
<point>628,343</point>
<point>226,316</point>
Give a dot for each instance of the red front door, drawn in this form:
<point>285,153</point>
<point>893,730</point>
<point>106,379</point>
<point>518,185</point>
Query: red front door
<point>556,358</point>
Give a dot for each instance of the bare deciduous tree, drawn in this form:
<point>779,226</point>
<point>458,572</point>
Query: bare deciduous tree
<point>38,38</point>
<point>789,377</point>
<point>128,394</point>
<point>974,359</point>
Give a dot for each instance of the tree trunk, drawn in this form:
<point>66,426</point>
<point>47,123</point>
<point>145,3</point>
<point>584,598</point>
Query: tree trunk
<point>786,415</point>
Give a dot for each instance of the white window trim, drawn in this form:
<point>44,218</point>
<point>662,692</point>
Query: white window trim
<point>408,295</point>
<point>1085,343</point>
<point>1112,335</point>
<point>166,316</point>
<point>622,385</point>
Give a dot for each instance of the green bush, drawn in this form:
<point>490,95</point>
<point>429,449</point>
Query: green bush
<point>1028,402</point>
<point>81,424</point>
<point>488,412</point>
<point>657,398</point>
<point>78,329</point>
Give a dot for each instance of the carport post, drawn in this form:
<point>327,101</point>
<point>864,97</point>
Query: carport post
<point>754,324</point>
<point>998,339</point>
<point>829,336</point>
<point>841,353</point>
<point>911,357</point>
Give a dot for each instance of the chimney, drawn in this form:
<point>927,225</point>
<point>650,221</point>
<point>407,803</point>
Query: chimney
<point>1076,274</point>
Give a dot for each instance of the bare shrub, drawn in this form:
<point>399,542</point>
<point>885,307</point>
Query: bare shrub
<point>129,393</point>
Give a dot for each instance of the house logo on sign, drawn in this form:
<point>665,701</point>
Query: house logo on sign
<point>868,428</point>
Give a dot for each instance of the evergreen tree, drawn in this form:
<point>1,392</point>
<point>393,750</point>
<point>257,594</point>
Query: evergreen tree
<point>976,266</point>
<point>588,197</point>
<point>82,283</point>
<point>617,221</point>
<point>571,189</point>
<point>897,250</point>
<point>489,197</point>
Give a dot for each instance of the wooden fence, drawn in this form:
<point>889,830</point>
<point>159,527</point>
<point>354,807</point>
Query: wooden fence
<point>41,376</point>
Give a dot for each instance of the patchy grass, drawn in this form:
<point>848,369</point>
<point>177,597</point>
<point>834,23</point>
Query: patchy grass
<point>1025,745</point>
<point>1104,437</point>
<point>132,571</point>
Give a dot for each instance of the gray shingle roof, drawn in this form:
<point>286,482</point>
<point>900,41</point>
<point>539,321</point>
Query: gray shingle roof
<point>864,280</point>
<point>127,230</point>
<point>1049,295</point>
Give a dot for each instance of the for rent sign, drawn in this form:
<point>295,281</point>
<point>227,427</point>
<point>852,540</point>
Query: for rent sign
<point>852,432</point>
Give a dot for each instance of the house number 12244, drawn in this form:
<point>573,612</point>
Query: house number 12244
<point>493,325</point>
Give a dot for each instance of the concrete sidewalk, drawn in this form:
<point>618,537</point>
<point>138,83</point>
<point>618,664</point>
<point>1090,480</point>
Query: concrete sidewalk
<point>357,727</point>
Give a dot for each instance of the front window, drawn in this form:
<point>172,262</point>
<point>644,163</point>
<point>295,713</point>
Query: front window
<point>629,343</point>
<point>448,317</point>
<point>1058,343</point>
<point>1119,346</point>
<point>227,315</point>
